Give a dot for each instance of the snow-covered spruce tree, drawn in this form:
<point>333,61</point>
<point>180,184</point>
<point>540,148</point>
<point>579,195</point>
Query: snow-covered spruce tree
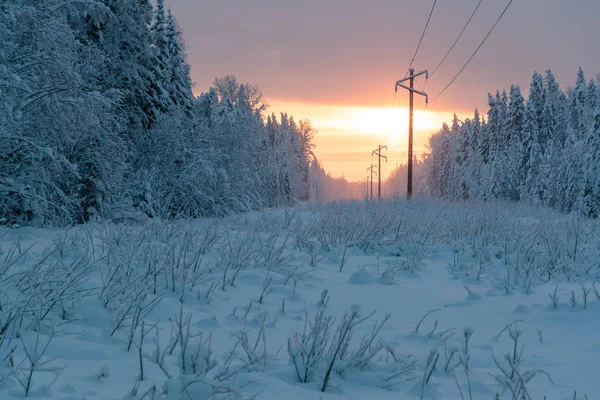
<point>573,167</point>
<point>591,173</point>
<point>542,150</point>
<point>496,182</point>
<point>440,162</point>
<point>478,154</point>
<point>554,118</point>
<point>591,103</point>
<point>161,67</point>
<point>577,97</point>
<point>514,137</point>
<point>459,180</point>
<point>130,61</point>
<point>533,141</point>
<point>180,81</point>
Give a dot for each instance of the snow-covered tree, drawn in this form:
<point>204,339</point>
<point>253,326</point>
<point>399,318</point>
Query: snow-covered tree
<point>98,120</point>
<point>543,150</point>
<point>180,81</point>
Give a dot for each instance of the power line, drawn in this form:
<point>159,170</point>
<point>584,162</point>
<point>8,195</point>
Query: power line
<point>411,91</point>
<point>476,50</point>
<point>405,75</point>
<point>421,40</point>
<point>377,152</point>
<point>422,89</point>
<point>451,47</point>
<point>413,59</point>
<point>419,85</point>
<point>457,39</point>
<point>401,139</point>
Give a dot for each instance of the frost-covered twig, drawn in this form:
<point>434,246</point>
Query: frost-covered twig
<point>423,319</point>
<point>554,298</point>
<point>307,348</point>
<point>267,289</point>
<point>34,363</point>
<point>432,360</point>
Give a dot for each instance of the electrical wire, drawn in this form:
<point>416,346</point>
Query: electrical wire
<point>408,70</point>
<point>419,85</point>
<point>421,40</point>
<point>476,50</point>
<point>457,39</point>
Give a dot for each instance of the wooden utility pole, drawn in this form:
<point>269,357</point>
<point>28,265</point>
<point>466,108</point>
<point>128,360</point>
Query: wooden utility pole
<point>411,91</point>
<point>379,155</point>
<point>371,169</point>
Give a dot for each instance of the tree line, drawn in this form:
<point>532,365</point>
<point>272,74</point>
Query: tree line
<point>98,120</point>
<point>542,150</point>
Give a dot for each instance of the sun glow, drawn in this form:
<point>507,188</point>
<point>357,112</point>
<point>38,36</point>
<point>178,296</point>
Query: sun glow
<point>390,123</point>
<point>348,134</point>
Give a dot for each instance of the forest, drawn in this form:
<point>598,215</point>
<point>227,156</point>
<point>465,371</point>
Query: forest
<point>543,150</point>
<point>98,120</point>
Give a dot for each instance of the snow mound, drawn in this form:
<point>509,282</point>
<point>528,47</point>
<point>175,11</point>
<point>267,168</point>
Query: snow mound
<point>522,309</point>
<point>361,277</point>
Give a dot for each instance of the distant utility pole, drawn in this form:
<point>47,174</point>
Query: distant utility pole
<point>367,189</point>
<point>377,152</point>
<point>411,91</point>
<point>371,169</point>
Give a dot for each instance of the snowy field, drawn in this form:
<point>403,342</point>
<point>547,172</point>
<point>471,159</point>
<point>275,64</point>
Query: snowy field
<point>385,300</point>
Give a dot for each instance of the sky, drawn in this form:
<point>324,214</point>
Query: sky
<point>335,62</point>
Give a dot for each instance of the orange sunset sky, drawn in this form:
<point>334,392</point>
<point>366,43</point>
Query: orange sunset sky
<point>335,62</point>
<point>348,134</point>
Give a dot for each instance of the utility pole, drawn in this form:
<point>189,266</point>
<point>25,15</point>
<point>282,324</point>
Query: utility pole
<point>371,169</point>
<point>411,91</point>
<point>378,154</point>
<point>367,189</point>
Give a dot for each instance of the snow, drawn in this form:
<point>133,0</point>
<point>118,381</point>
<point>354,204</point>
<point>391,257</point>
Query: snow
<point>434,304</point>
<point>361,277</point>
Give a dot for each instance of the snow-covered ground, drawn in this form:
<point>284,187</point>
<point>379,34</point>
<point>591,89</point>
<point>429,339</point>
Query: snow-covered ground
<point>388,300</point>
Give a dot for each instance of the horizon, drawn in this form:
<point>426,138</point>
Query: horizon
<point>311,58</point>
